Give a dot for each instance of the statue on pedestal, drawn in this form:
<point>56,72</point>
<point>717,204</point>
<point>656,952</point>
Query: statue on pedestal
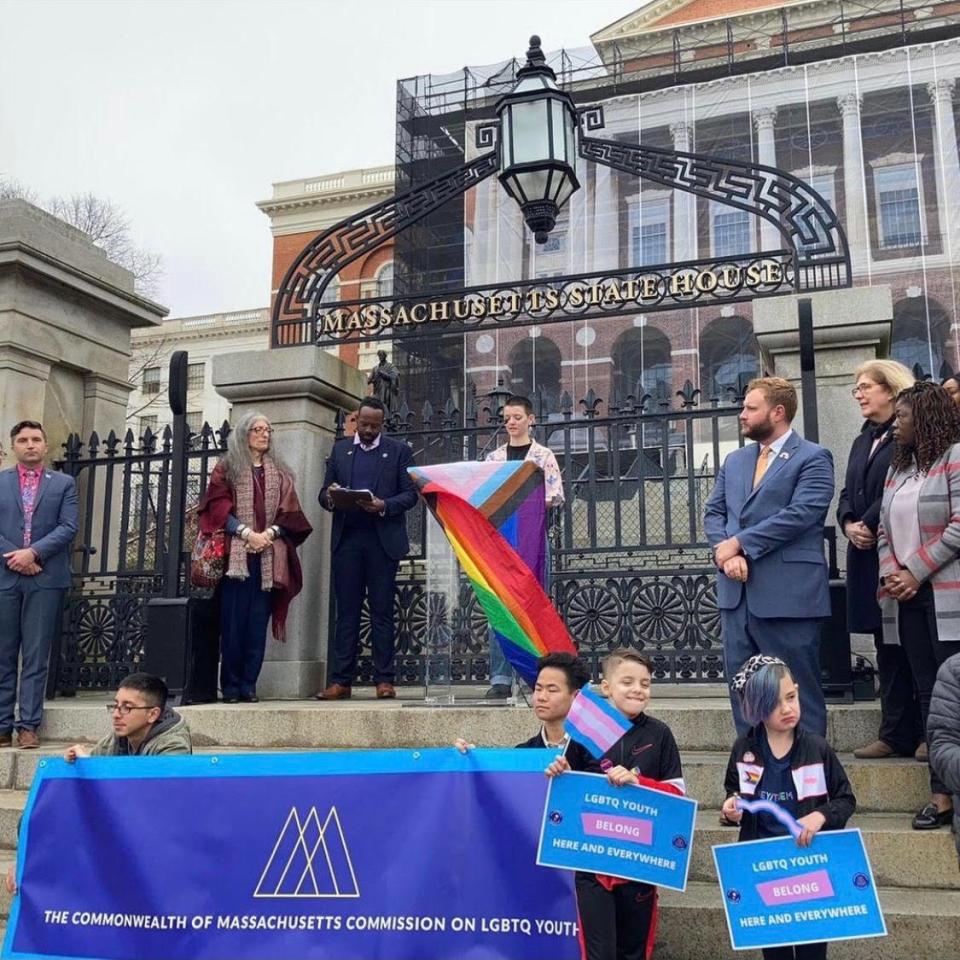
<point>385,380</point>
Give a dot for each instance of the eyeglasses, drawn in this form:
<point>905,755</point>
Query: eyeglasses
<point>124,708</point>
<point>266,430</point>
<point>862,388</point>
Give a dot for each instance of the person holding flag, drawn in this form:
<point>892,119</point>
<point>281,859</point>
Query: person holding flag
<point>782,779</point>
<point>560,677</point>
<point>618,918</point>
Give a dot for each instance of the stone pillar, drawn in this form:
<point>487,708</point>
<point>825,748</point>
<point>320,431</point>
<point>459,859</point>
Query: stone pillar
<point>606,220</point>
<point>853,189</point>
<point>23,384</point>
<point>299,390</point>
<point>65,317</point>
<point>849,327</point>
<point>764,120</point>
<point>685,204</point>
<point>948,164</point>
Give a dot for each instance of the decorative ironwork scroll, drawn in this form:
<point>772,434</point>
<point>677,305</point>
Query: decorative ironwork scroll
<point>298,298</point>
<point>804,219</point>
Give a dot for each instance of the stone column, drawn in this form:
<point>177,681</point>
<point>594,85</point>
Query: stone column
<point>606,220</point>
<point>849,327</point>
<point>948,164</point>
<point>66,313</point>
<point>685,204</point>
<point>853,189</point>
<point>23,385</point>
<point>764,120</point>
<point>299,390</point>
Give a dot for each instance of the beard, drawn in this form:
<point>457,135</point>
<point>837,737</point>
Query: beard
<point>761,431</point>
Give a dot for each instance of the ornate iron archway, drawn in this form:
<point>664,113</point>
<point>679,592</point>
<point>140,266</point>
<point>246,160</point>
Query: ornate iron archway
<point>631,563</point>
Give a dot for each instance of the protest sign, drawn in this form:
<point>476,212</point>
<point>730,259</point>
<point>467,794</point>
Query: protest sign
<point>631,832</point>
<point>776,893</point>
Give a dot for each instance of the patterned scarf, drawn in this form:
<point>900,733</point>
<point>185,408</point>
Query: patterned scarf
<point>243,493</point>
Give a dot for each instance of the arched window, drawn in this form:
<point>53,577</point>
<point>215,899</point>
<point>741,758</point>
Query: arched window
<point>641,355</point>
<point>535,371</point>
<point>728,357</point>
<point>919,336</point>
<point>385,280</point>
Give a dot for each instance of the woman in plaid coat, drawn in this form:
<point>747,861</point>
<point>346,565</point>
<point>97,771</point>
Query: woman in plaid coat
<point>918,541</point>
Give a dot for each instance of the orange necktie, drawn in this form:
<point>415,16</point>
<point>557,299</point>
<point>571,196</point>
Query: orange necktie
<point>763,461</point>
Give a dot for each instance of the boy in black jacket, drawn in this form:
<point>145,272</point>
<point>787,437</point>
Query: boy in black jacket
<point>618,918</point>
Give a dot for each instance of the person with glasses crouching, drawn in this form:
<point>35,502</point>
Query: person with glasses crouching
<point>143,724</point>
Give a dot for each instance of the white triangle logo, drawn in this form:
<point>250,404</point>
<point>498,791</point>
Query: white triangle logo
<point>295,871</point>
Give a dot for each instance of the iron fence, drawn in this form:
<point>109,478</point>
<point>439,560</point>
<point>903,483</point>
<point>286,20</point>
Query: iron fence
<point>124,488</point>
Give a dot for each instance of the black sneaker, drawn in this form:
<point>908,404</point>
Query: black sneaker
<point>499,691</point>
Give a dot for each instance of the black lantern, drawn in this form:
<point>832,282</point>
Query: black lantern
<point>538,143</point>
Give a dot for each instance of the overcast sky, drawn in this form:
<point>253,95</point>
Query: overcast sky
<point>185,113</point>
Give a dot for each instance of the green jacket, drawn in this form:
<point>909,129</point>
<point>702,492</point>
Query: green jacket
<point>169,735</point>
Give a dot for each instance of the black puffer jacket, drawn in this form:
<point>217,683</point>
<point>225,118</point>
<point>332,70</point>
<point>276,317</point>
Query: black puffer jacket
<point>943,732</point>
<point>821,782</point>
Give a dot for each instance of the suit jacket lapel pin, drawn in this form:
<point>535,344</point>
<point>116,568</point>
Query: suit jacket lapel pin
<point>384,456</point>
<point>784,455</point>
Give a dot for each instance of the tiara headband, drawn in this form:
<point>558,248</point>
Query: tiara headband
<point>750,668</point>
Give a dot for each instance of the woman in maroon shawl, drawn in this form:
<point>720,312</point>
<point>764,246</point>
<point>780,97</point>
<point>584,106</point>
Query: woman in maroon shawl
<point>251,496</point>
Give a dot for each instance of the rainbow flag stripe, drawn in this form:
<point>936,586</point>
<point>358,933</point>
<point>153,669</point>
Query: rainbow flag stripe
<point>495,518</point>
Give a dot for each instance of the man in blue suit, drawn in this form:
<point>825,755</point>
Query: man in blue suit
<point>368,545</point>
<point>38,521</point>
<point>764,521</point>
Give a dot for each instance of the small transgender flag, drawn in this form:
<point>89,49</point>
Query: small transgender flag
<point>595,723</point>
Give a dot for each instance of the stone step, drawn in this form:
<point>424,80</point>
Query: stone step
<point>900,856</point>
<point>899,784</point>
<point>921,925</point>
<point>698,723</point>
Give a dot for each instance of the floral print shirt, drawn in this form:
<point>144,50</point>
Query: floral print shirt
<point>543,457</point>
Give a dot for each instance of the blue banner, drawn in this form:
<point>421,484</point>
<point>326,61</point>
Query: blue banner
<point>632,832</point>
<point>393,854</point>
<point>776,893</point>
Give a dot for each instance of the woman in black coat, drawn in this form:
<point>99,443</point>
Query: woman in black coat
<point>858,514</point>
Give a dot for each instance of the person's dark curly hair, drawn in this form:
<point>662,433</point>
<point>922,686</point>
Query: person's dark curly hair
<point>936,425</point>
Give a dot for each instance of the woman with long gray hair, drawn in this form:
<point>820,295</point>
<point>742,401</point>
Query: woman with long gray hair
<point>251,496</point>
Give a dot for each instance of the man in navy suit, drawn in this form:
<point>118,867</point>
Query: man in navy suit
<point>368,545</point>
<point>764,521</point>
<point>38,521</point>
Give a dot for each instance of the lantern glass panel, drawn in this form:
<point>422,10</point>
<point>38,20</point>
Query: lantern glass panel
<point>530,131</point>
<point>533,183</point>
<point>559,126</point>
<point>564,191</point>
<point>505,142</point>
<point>570,133</point>
<point>534,83</point>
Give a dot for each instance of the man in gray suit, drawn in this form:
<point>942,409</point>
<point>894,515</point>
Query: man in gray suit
<point>38,521</point>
